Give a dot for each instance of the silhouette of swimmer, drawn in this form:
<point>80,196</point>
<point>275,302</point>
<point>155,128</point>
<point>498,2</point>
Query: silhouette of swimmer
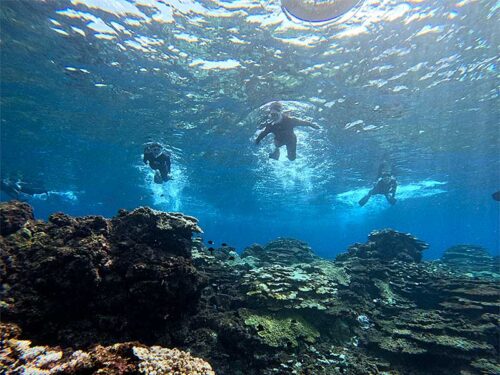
<point>15,188</point>
<point>159,160</point>
<point>282,127</point>
<point>386,185</point>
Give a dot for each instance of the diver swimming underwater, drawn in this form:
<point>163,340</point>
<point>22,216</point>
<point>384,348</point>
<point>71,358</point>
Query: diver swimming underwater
<point>281,127</point>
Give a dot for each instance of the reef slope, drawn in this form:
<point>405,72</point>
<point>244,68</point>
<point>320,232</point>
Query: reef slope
<point>136,295</point>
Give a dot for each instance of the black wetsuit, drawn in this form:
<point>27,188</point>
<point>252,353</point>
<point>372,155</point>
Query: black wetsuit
<point>159,163</point>
<point>284,135</point>
<point>383,186</point>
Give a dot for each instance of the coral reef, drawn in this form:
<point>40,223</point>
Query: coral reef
<point>299,286</point>
<point>470,259</point>
<point>282,251</point>
<point>21,357</point>
<point>111,288</point>
<point>388,244</point>
<point>280,330</point>
<point>13,216</point>
<point>163,361</point>
<point>424,319</point>
<point>98,280</point>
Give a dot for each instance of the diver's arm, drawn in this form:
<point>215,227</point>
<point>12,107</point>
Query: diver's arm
<point>298,122</point>
<point>262,134</point>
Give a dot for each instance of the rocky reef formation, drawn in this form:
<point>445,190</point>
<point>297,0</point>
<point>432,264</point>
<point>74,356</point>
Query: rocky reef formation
<point>87,280</point>
<point>14,216</point>
<point>282,251</point>
<point>389,245</point>
<point>419,316</point>
<point>21,357</point>
<point>470,259</point>
<point>137,284</point>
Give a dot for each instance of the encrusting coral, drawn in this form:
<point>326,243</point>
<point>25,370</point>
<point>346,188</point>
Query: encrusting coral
<point>280,330</point>
<point>162,361</point>
<point>21,357</point>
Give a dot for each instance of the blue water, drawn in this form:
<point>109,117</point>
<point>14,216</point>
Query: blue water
<point>84,83</point>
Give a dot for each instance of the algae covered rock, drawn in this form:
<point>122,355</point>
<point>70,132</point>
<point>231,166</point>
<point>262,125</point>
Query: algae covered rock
<point>388,245</point>
<point>280,329</point>
<point>169,232</point>
<point>84,279</point>
<point>13,216</point>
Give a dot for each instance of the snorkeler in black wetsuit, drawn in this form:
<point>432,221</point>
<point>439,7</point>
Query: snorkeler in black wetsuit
<point>282,128</point>
<point>15,189</point>
<point>159,160</point>
<point>385,185</point>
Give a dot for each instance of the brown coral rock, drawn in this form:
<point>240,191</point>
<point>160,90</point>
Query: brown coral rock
<point>84,279</point>
<point>13,215</point>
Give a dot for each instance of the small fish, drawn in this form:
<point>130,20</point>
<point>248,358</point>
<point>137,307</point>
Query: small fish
<point>496,196</point>
<point>162,195</point>
<point>210,242</point>
<point>224,244</point>
<point>231,257</point>
<point>211,250</point>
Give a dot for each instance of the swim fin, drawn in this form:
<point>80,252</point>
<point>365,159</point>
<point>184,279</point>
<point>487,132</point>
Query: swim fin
<point>364,200</point>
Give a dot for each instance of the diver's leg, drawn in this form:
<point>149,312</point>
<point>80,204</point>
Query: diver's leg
<point>390,199</point>
<point>365,199</point>
<point>164,173</point>
<point>276,153</point>
<point>291,149</point>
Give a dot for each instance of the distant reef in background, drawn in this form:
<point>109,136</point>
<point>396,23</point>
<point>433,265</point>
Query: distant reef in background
<point>136,294</point>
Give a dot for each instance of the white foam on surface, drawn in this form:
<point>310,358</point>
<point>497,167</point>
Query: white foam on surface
<point>215,65</point>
